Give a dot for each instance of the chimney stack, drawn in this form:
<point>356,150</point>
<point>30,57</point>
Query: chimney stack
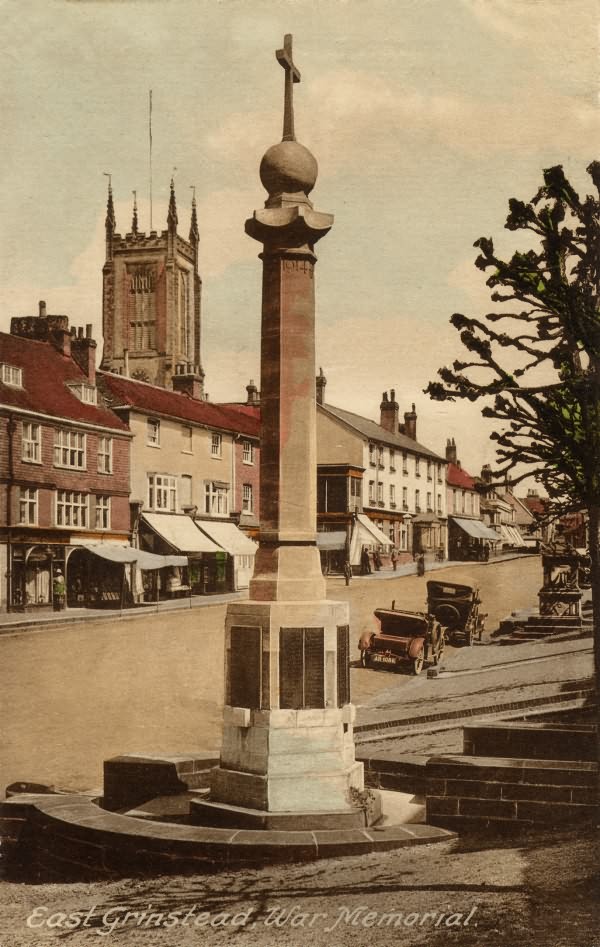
<point>189,380</point>
<point>42,309</point>
<point>389,412</point>
<point>486,474</point>
<point>451,451</point>
<point>83,351</point>
<point>253,395</point>
<point>410,423</point>
<point>321,383</point>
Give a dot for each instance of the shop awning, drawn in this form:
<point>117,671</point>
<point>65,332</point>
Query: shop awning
<point>129,554</point>
<point>511,535</point>
<point>365,533</point>
<point>477,529</point>
<point>180,532</point>
<point>376,535</point>
<point>229,537</point>
<point>336,539</point>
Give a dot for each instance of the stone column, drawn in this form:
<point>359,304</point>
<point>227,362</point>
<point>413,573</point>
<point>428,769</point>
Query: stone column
<point>287,737</point>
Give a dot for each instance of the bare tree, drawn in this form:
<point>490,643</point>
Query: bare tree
<point>535,361</point>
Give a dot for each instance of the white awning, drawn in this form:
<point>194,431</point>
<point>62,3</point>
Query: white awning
<point>365,533</point>
<point>227,535</point>
<point>511,535</point>
<point>476,529</point>
<point>335,539</point>
<point>376,535</point>
<point>129,555</point>
<point>180,531</point>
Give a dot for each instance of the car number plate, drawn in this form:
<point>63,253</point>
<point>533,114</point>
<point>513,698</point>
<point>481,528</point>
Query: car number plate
<point>384,659</point>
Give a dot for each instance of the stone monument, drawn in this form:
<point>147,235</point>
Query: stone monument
<point>288,743</point>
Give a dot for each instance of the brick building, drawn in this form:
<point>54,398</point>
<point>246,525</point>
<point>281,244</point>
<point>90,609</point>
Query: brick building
<point>194,479</point>
<point>377,483</point>
<point>468,535</point>
<point>151,299</point>
<point>64,468</point>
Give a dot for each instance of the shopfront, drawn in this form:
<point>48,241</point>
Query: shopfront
<point>235,571</point>
<point>177,534</point>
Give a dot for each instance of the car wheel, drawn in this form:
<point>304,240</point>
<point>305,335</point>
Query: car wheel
<point>364,659</point>
<point>418,662</point>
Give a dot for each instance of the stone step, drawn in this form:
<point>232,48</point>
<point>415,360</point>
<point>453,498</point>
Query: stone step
<point>529,772</point>
<point>475,792</point>
<point>394,770</point>
<point>549,741</point>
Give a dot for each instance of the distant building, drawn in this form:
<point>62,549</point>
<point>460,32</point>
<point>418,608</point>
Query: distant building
<point>537,506</point>
<point>151,299</point>
<point>194,479</point>
<point>498,512</point>
<point>377,484</point>
<point>64,470</point>
<point>468,536</point>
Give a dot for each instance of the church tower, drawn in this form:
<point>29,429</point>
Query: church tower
<point>151,299</point>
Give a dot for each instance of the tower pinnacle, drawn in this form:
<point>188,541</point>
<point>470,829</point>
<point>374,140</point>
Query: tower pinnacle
<point>194,232</point>
<point>172,215</point>
<point>134,222</point>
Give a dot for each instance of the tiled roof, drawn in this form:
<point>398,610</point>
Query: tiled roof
<point>457,477</point>
<point>46,377</point>
<point>127,392</point>
<point>534,504</point>
<point>374,432</point>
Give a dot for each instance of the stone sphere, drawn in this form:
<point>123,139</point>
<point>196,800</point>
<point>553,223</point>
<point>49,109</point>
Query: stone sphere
<point>290,167</point>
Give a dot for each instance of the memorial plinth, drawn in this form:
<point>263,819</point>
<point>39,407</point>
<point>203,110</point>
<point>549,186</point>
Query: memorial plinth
<point>288,722</point>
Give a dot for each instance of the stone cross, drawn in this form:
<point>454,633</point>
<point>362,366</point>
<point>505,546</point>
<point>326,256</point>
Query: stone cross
<point>292,74</point>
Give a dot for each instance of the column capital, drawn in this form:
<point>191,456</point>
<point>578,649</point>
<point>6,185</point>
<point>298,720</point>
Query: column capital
<point>295,225</point>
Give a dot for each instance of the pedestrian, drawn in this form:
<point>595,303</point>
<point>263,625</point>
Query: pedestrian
<point>347,572</point>
<point>421,563</point>
<point>394,560</point>
<point>365,564</point>
<point>377,560</point>
<point>58,591</point>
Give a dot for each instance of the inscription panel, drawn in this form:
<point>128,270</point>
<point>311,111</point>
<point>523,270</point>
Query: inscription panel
<point>301,668</point>
<point>245,660</point>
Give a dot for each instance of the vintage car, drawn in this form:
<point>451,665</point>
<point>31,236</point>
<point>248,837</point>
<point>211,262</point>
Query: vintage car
<point>456,607</point>
<point>404,640</point>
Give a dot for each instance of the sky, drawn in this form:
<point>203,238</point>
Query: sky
<point>425,116</point>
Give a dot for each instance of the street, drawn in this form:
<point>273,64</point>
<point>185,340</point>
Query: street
<point>77,695</point>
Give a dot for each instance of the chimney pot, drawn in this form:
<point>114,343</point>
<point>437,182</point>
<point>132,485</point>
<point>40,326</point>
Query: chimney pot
<point>42,309</point>
<point>88,330</point>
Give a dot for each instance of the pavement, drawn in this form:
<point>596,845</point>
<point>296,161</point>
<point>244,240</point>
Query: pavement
<point>12,621</point>
<point>483,680</point>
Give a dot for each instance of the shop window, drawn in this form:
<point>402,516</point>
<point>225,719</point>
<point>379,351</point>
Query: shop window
<point>153,432</point>
<point>162,492</point>
<point>71,509</point>
<point>31,447</point>
<point>69,449</point>
<point>102,512</point>
<point>105,455</point>
<point>28,506</point>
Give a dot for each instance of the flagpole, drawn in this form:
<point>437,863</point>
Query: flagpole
<point>150,148</point>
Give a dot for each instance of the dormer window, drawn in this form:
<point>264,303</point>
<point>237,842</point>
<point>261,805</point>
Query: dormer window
<point>11,375</point>
<point>85,393</point>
